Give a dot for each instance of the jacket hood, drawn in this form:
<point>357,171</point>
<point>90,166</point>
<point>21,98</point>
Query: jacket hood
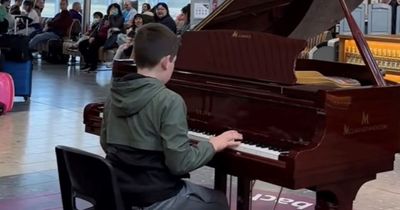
<point>130,96</point>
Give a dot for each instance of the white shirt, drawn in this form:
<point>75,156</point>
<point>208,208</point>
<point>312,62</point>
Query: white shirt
<point>34,16</point>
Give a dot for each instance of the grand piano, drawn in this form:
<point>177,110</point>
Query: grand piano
<point>236,70</point>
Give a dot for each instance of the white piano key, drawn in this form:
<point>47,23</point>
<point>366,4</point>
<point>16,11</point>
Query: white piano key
<point>243,147</point>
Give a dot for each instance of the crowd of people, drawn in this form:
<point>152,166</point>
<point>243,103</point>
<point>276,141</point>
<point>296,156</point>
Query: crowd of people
<point>113,31</point>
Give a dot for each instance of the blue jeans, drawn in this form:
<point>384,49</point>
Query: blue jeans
<point>192,197</point>
<point>42,38</point>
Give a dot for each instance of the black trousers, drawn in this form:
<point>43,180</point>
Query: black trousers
<point>90,51</point>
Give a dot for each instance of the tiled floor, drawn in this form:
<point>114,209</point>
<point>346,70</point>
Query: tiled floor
<point>28,179</point>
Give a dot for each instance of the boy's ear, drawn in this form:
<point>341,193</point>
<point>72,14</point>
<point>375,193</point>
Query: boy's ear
<point>164,62</point>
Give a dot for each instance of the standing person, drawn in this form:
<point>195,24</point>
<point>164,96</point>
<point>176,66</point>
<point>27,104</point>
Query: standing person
<point>163,17</point>
<point>128,13</point>
<point>76,11</point>
<point>56,28</point>
<point>145,133</point>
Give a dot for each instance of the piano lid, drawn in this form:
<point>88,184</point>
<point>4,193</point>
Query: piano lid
<point>299,19</point>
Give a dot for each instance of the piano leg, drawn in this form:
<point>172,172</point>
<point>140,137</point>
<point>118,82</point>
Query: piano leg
<point>243,193</point>
<point>220,180</point>
<point>339,196</point>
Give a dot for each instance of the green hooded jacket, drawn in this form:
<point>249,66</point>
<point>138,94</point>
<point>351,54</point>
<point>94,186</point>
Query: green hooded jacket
<point>142,113</point>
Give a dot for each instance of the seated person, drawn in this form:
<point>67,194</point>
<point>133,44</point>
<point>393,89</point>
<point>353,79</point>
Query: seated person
<point>15,8</point>
<point>75,12</point>
<point>183,20</point>
<point>124,51</point>
<point>163,16</point>
<point>146,8</point>
<point>128,13</point>
<point>56,28</point>
<point>39,6</point>
<point>4,16</point>
<point>138,21</point>
<point>145,133</point>
<point>97,19</point>
<point>34,17</point>
<point>89,48</point>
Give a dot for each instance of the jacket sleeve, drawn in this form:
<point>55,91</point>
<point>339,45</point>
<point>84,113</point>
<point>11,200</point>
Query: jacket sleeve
<point>103,131</point>
<point>180,156</point>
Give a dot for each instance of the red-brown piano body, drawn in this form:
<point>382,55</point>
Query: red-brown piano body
<point>331,140</point>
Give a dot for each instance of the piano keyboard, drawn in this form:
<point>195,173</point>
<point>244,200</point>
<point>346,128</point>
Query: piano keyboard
<point>243,147</point>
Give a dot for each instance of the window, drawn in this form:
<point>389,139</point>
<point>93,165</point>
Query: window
<point>52,7</point>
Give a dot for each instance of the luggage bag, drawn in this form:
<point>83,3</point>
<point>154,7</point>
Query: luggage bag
<point>6,92</point>
<point>21,73</point>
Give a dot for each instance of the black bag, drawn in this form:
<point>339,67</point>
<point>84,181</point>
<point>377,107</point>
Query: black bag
<point>55,54</point>
<point>111,42</point>
<point>15,47</point>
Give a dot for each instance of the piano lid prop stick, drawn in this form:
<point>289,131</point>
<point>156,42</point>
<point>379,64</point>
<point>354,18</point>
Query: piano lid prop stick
<point>362,46</point>
<point>277,198</point>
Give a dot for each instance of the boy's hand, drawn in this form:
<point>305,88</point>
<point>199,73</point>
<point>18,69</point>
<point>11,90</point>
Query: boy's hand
<point>226,139</point>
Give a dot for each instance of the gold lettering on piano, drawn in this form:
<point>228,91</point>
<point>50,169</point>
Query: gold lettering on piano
<point>241,35</point>
<point>347,130</point>
<point>364,119</point>
<point>365,127</point>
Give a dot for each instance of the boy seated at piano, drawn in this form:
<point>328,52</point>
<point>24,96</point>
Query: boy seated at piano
<point>145,132</point>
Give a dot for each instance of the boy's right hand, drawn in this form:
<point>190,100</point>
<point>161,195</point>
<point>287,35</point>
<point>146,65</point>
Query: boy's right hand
<point>227,139</point>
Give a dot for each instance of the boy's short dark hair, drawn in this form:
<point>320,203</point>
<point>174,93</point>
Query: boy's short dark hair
<point>154,41</point>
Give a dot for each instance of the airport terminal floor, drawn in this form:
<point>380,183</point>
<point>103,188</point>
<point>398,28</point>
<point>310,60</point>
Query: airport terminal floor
<point>53,116</point>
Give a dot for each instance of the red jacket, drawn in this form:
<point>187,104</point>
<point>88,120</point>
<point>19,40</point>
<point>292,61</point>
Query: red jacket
<point>60,23</point>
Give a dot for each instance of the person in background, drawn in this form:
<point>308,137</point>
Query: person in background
<point>90,48</point>
<point>116,17</point>
<point>163,16</point>
<point>97,19</point>
<point>146,8</point>
<point>32,14</point>
<point>147,14</point>
<point>56,28</point>
<point>138,21</point>
<point>183,20</point>
<point>39,6</point>
<point>16,8</point>
<point>144,133</point>
<point>116,30</point>
<point>128,13</point>
<point>124,51</point>
<point>5,17</point>
<point>76,11</point>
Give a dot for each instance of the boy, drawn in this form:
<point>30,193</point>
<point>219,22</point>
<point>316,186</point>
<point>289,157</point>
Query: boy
<point>144,132</point>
